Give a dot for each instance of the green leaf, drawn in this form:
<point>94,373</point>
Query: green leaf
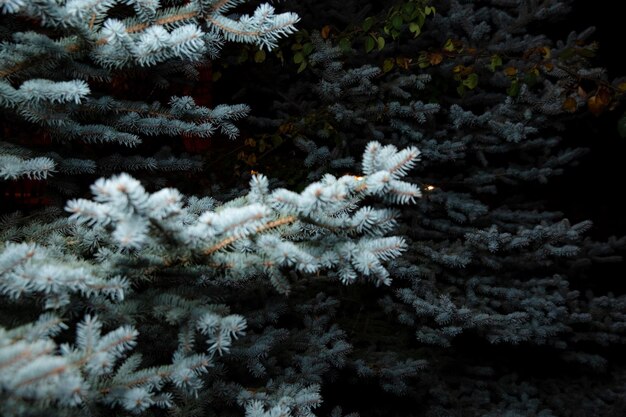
<point>279,55</point>
<point>471,81</point>
<point>396,21</point>
<point>496,61</point>
<point>421,18</point>
<point>367,24</point>
<point>423,61</point>
<point>381,42</point>
<point>276,140</point>
<point>388,65</point>
<point>243,57</point>
<point>461,90</point>
<point>345,45</point>
<point>369,44</point>
<point>530,79</point>
<point>302,67</point>
<point>428,10</point>
<point>514,88</point>
<point>586,52</point>
<point>298,57</point>
<point>408,8</point>
<point>415,28</point>
<point>449,46</point>
<point>307,48</point>
<point>567,53</point>
<point>259,56</point>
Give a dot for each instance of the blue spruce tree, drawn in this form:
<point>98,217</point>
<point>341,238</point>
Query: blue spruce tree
<point>60,61</point>
<point>412,269</point>
<point>144,300</point>
<point>487,98</point>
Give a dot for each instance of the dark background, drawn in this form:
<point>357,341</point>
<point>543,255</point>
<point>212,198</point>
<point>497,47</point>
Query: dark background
<point>595,190</point>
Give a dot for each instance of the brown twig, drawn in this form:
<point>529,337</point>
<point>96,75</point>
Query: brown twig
<point>267,226</point>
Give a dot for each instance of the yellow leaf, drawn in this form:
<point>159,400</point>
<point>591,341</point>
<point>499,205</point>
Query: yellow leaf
<point>510,71</point>
<point>570,105</point>
<point>435,58</point>
<point>605,95</point>
<point>325,32</point>
<point>285,128</point>
<point>403,62</point>
<point>598,102</point>
<point>463,70</point>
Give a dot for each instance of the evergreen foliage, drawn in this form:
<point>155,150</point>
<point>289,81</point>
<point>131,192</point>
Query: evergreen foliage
<point>429,276</point>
